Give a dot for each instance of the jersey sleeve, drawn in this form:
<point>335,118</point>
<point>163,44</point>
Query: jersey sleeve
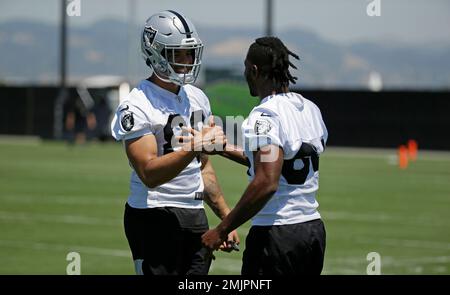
<point>207,107</point>
<point>262,128</point>
<point>130,121</point>
<point>317,121</point>
<point>201,99</point>
<point>204,100</point>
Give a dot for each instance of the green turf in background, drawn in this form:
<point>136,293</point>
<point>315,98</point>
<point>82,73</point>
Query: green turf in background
<point>55,199</point>
<point>230,99</point>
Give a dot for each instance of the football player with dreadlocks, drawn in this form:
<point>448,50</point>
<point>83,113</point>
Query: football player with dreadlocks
<point>164,215</point>
<point>283,138</point>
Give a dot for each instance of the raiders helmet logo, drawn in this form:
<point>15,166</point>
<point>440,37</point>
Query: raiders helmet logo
<point>262,127</point>
<point>127,122</point>
<point>149,36</point>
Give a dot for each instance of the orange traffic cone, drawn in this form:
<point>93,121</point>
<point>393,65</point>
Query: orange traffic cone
<point>402,157</point>
<point>412,149</point>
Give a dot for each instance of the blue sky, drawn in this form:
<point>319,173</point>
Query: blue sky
<point>405,21</point>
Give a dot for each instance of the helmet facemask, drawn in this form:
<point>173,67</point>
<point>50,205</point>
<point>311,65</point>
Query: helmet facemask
<point>192,69</point>
<point>162,59</point>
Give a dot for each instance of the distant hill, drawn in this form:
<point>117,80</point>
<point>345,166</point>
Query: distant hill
<point>29,53</point>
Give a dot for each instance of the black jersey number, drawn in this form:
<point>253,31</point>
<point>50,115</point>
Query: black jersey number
<point>168,131</point>
<point>308,155</point>
<point>196,117</point>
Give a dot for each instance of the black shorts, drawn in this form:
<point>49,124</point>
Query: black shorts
<point>292,249</point>
<point>168,240</point>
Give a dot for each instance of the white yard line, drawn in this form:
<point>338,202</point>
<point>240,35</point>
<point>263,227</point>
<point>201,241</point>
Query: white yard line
<point>388,260</point>
<point>70,219</point>
<point>65,248</point>
<point>221,263</point>
<point>227,264</point>
<point>346,265</point>
<point>435,245</point>
<point>389,264</point>
<point>64,200</point>
<point>381,218</point>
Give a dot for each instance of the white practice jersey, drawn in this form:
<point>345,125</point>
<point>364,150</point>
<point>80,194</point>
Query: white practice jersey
<point>150,109</point>
<point>295,124</point>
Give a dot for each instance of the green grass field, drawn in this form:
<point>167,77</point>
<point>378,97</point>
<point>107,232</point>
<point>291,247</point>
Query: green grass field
<point>230,99</point>
<point>55,199</point>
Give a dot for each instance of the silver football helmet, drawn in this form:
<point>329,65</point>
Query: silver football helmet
<point>163,34</point>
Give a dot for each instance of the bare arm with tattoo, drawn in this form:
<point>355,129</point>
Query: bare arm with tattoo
<point>214,198</point>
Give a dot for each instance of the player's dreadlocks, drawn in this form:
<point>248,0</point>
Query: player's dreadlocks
<point>271,56</point>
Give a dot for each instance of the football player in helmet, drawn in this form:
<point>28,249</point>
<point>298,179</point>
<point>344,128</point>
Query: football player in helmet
<point>283,138</point>
<point>164,215</point>
<point>165,37</point>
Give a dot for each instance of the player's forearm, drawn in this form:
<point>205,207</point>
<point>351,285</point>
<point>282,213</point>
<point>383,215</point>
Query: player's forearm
<point>213,195</point>
<point>214,198</point>
<point>253,200</point>
<point>236,154</point>
<point>217,204</point>
<point>162,169</point>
